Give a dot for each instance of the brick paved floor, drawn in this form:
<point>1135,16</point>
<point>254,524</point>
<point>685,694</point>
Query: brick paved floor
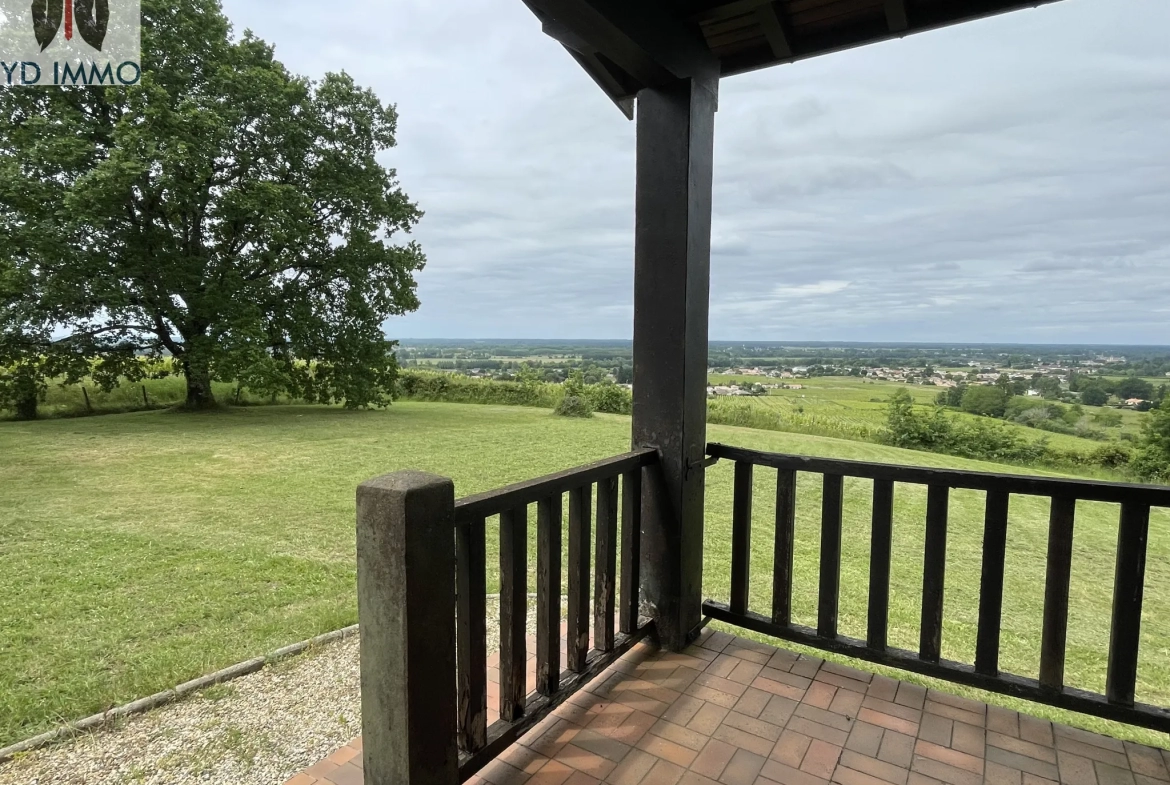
<point>736,712</point>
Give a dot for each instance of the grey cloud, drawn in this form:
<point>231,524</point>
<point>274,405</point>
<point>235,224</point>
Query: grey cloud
<point>1005,180</point>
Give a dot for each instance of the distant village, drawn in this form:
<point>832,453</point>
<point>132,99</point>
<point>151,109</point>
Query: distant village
<point>1025,379</point>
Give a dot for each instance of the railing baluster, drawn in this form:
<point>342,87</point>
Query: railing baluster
<point>995,520</point>
<point>934,573</point>
<point>1119,701</point>
<point>741,535</point>
<point>1055,632</point>
<point>631,548</point>
<point>577,643</point>
<point>1128,588</point>
<point>548,594</point>
<point>832,501</point>
<point>785,531</point>
<point>471,637</point>
<point>513,611</point>
<point>881,546</point>
<point>605,568</point>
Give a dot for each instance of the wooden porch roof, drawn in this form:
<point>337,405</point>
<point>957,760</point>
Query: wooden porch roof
<point>627,45</point>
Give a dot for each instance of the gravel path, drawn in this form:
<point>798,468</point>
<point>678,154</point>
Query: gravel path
<point>256,730</point>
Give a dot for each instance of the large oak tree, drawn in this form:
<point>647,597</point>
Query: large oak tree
<point>222,211</point>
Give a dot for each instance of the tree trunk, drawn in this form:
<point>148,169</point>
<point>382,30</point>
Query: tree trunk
<point>26,407</point>
<point>199,394</point>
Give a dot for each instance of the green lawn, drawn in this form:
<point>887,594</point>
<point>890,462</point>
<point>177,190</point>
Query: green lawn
<point>143,549</point>
<point>861,404</point>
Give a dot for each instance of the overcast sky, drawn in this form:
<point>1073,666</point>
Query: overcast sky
<point>1003,180</point>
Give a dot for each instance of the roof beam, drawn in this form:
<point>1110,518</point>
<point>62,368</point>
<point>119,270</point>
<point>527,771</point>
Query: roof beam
<point>768,17</point>
<point>714,10</point>
<point>605,80</point>
<point>896,18</point>
<point>646,39</point>
<point>924,17</point>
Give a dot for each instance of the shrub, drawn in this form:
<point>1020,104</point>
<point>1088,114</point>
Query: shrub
<point>1094,396</point>
<point>609,397</point>
<point>1152,460</point>
<point>907,428</point>
<point>1107,419</point>
<point>1110,456</point>
<point>574,406</point>
<point>449,388</point>
<point>990,401</point>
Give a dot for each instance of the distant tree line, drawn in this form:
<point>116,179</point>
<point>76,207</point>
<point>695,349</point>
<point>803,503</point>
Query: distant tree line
<point>936,430</point>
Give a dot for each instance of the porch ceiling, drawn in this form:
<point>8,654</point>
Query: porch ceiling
<point>626,45</point>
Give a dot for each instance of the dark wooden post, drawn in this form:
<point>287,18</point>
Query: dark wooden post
<point>672,260</point>
<point>406,607</point>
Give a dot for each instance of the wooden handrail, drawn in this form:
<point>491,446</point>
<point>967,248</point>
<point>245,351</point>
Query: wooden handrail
<point>494,502</point>
<point>1085,490</point>
<point>1134,500</point>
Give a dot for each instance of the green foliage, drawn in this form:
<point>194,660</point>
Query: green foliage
<point>449,388</point>
<point>1111,456</point>
<point>573,406</point>
<point>984,439</point>
<point>1094,395</point>
<point>1133,387</point>
<point>1152,459</point>
<point>526,391</point>
<point>575,385</point>
<point>608,397</point>
<point>223,211</point>
<point>747,414</point>
<point>907,428</point>
<point>1047,386</point>
<point>986,400</point>
<point>952,396</point>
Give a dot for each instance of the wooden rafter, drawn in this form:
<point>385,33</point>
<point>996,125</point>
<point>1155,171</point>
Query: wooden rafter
<point>768,17</point>
<point>896,18</point>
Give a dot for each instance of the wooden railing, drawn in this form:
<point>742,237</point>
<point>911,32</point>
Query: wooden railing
<point>517,710</point>
<point>422,605</point>
<point>1117,703</point>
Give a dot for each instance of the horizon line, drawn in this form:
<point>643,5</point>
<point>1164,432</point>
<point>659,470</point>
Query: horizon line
<point>809,342</point>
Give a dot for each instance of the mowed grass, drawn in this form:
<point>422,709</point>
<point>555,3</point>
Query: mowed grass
<point>862,404</point>
<point>141,550</point>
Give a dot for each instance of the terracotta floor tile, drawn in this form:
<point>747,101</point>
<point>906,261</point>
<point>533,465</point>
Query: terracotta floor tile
<point>694,778</point>
<point>729,711</point>
<point>821,759</point>
<point>713,758</point>
<point>683,710</point>
<point>632,769</point>
<point>743,768</point>
<point>345,775</point>
<point>679,735</point>
<point>870,765</point>
<point>664,773</point>
<point>582,759</point>
<point>865,739</point>
<point>667,750</point>
<point>790,749</point>
<point>552,773</point>
<point>708,718</point>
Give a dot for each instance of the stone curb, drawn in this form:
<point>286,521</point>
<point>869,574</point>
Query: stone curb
<point>95,721</point>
